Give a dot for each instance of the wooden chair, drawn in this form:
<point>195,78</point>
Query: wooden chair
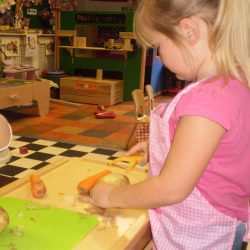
<point>150,94</point>
<point>140,109</point>
<point>142,114</point>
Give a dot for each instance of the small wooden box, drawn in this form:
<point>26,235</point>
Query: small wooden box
<point>90,90</point>
<point>79,42</point>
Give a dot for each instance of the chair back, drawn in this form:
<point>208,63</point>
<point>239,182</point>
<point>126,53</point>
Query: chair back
<point>150,94</point>
<point>140,111</point>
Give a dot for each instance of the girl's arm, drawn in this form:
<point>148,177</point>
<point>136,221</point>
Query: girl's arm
<point>140,147</point>
<point>195,141</point>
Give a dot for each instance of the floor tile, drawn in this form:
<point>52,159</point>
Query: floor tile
<point>72,124</point>
<point>55,150</point>
<point>25,163</point>
<point>11,170</point>
<point>25,139</point>
<point>68,130</point>
<point>40,156</point>
<point>45,142</point>
<point>54,136</point>
<point>4,180</point>
<point>95,133</point>
<point>36,147</point>
<point>73,153</point>
<point>103,151</point>
<point>63,145</point>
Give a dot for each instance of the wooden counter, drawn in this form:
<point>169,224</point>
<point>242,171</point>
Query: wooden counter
<point>117,228</point>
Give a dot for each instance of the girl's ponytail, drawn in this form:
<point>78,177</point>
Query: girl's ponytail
<point>230,39</point>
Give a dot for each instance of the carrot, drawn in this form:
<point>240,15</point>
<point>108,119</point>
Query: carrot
<point>85,185</point>
<point>38,188</point>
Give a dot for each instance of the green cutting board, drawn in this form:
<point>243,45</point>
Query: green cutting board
<point>42,227</point>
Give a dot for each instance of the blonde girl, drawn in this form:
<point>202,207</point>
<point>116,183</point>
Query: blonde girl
<point>199,148</point>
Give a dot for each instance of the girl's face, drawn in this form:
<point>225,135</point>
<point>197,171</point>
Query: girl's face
<point>171,56</point>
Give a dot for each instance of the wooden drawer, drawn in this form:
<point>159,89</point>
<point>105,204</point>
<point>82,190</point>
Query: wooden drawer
<point>90,90</point>
<point>15,96</point>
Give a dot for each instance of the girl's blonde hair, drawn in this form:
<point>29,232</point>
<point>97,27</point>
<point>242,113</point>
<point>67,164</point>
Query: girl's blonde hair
<point>228,22</point>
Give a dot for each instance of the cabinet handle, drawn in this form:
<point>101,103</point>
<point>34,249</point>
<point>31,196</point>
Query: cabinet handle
<point>14,97</point>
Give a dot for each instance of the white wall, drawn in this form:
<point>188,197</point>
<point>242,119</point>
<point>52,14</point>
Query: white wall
<point>101,5</point>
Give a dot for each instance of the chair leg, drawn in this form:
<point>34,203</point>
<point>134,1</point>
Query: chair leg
<point>132,141</point>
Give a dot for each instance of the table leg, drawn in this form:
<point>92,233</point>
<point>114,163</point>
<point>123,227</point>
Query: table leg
<point>41,94</point>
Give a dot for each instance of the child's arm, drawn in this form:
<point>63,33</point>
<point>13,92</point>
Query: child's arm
<point>141,147</point>
<point>195,141</point>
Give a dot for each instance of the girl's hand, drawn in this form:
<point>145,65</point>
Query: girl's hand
<point>100,195</point>
<point>139,148</point>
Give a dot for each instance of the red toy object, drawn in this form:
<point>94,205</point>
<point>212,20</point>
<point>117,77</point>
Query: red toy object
<point>105,114</point>
<point>23,150</point>
<point>99,109</point>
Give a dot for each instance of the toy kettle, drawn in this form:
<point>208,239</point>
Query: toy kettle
<point>5,140</point>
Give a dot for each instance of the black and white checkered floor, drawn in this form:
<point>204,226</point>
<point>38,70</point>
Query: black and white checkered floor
<point>43,152</point>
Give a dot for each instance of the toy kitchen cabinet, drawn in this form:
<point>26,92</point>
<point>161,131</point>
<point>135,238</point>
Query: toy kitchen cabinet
<point>87,41</point>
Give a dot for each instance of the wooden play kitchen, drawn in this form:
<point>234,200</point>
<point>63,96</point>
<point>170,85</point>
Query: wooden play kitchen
<point>118,54</point>
<point>22,93</point>
<point>75,224</point>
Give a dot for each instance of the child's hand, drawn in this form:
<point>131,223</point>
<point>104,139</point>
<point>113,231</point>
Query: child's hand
<point>139,148</point>
<point>99,195</point>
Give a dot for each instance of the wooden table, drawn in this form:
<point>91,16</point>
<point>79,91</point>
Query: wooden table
<point>129,228</point>
<point>22,93</point>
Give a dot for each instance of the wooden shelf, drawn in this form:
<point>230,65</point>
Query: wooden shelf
<point>127,35</point>
<point>65,33</point>
<point>94,48</point>
<point>23,34</point>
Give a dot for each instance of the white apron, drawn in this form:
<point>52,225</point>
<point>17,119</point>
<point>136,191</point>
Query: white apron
<point>193,223</point>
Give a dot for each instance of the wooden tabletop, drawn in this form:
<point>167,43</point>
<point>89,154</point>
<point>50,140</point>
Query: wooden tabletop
<point>117,228</point>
